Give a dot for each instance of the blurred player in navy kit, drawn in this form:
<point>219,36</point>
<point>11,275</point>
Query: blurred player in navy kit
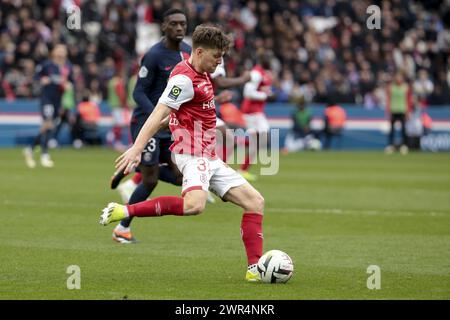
<point>153,74</point>
<point>54,75</point>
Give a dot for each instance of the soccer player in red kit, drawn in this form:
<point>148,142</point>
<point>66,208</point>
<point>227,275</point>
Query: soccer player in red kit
<point>256,93</point>
<point>188,100</point>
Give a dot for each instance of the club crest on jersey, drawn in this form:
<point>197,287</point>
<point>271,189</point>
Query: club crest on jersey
<point>175,93</point>
<point>143,72</point>
<point>147,156</point>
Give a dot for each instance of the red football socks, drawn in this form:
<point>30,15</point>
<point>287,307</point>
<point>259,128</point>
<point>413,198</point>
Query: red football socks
<point>246,164</point>
<point>252,236</point>
<point>160,206</point>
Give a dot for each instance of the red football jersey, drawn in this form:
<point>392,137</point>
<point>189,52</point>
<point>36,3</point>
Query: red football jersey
<point>260,78</point>
<point>193,122</point>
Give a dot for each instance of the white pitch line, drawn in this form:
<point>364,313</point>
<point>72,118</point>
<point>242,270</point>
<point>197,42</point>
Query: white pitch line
<point>355,212</point>
<point>62,204</point>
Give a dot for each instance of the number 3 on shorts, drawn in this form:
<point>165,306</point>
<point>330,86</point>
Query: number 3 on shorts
<point>201,165</point>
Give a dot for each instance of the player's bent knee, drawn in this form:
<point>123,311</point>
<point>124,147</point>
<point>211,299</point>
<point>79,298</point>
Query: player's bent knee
<point>254,204</point>
<point>257,204</point>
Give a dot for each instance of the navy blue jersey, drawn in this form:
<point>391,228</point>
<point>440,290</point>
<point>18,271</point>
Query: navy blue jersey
<point>154,72</point>
<point>52,92</point>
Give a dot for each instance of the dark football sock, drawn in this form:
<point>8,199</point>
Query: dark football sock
<point>36,141</point>
<point>44,141</point>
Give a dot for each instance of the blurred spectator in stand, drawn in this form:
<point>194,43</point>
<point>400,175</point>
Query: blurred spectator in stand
<point>423,87</point>
<point>324,43</point>
<point>414,128</point>
<point>95,93</point>
<point>287,82</point>
<point>427,123</point>
<point>419,124</point>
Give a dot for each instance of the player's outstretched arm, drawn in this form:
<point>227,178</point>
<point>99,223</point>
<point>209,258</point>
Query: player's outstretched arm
<point>227,82</point>
<point>132,157</point>
<point>251,88</point>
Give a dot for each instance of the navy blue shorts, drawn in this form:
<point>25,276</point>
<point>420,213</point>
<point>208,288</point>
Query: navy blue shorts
<point>157,149</point>
<point>49,111</point>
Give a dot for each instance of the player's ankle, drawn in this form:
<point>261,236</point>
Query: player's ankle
<point>121,228</point>
<point>252,267</point>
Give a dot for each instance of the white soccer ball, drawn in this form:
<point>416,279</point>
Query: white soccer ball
<point>275,266</point>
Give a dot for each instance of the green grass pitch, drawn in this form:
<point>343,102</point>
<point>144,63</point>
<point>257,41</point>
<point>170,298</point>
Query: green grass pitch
<point>335,214</point>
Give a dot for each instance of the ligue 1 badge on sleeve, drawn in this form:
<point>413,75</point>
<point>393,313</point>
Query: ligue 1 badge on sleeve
<point>175,93</point>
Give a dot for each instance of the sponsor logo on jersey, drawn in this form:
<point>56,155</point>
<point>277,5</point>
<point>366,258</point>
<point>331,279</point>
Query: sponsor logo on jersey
<point>209,104</point>
<point>173,121</point>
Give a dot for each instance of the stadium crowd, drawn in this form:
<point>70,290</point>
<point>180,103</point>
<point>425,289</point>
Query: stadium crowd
<point>318,49</point>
